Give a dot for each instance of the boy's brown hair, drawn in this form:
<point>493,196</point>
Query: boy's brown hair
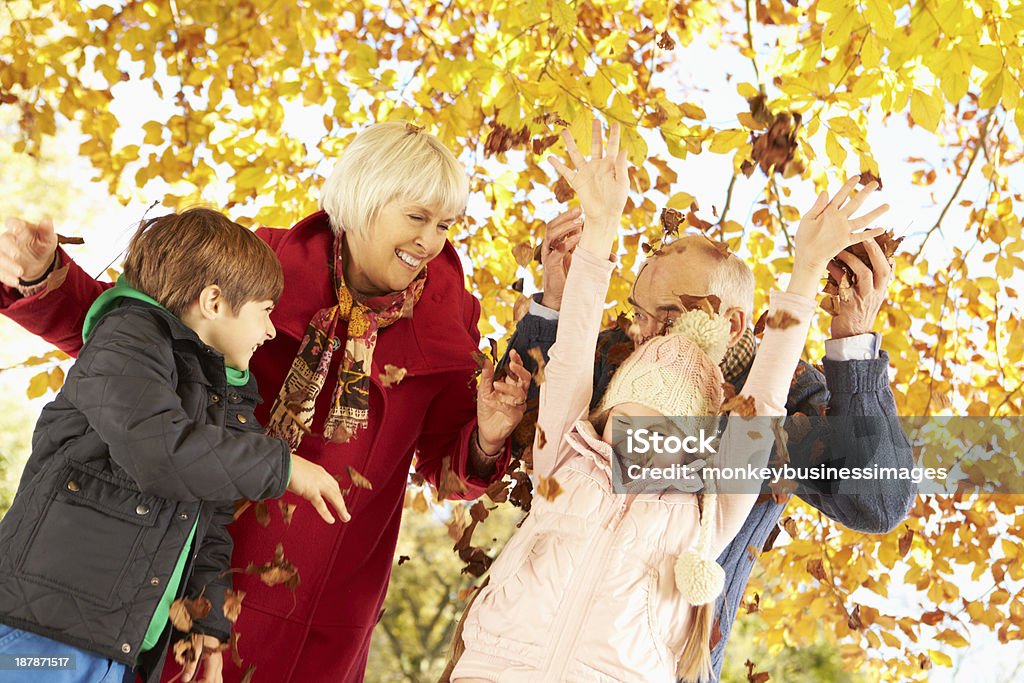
<point>173,258</point>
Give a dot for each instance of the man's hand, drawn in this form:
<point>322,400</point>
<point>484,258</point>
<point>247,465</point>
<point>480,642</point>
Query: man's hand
<point>561,235</point>
<point>315,484</point>
<point>213,670</point>
<point>857,314</point>
<point>500,405</point>
<point>26,251</point>
<point>827,229</point>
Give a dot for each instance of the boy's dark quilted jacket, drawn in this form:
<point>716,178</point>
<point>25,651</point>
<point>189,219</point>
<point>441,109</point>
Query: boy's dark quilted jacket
<point>144,436</point>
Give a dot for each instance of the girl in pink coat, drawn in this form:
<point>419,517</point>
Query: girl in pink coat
<point>602,584</point>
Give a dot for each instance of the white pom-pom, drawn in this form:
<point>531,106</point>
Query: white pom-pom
<point>710,332</point>
<point>700,580</point>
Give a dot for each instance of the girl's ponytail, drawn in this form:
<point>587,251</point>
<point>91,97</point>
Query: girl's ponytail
<point>694,663</point>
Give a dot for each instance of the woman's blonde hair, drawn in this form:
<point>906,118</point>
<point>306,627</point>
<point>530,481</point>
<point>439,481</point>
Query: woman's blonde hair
<point>390,161</point>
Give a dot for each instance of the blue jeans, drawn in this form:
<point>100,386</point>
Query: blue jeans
<point>87,668</point>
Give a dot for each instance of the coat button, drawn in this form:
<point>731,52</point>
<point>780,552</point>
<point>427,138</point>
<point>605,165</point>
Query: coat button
<point>73,486</point>
<point>142,509</point>
<point>126,648</point>
<point>214,398</point>
<point>242,418</point>
<point>155,581</point>
<point>234,397</point>
<point>183,516</point>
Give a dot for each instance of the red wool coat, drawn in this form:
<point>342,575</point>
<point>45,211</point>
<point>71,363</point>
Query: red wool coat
<point>321,632</point>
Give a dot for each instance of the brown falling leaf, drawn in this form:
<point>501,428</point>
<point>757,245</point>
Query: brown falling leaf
<point>277,571</point>
<point>498,491</point>
<point>392,375</point>
<point>742,406</point>
<point>710,304</point>
<point>548,488</point>
<point>867,177</point>
<point>789,524</point>
<point>798,426</point>
<point>905,542</point>
<point>477,561</point>
<point>756,677</point>
<point>187,650</point>
<point>816,569</point>
<point>522,492</point>
<point>696,221</point>
<point>670,220</point>
<point>287,511</point>
<point>235,656</point>
<point>233,604</point>
<point>184,611</point>
<point>781,320</point>
<point>933,617</point>
<point>402,559</point>
<point>501,139</point>
<point>62,240</point>
<point>853,621</point>
<point>537,356</point>
<point>358,479</point>
<point>449,482</point>
<point>754,604</point>
<point>520,308</point>
<point>541,144</point>
<point>478,512</point>
<point>665,41</point>
<point>542,438</point>
<point>563,191</point>
<point>523,254</point>
<point>262,513</point>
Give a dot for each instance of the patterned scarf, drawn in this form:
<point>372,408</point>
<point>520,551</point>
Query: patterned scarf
<point>292,414</point>
<point>739,357</point>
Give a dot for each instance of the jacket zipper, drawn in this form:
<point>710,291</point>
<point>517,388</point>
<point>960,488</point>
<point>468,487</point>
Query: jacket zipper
<point>566,640</point>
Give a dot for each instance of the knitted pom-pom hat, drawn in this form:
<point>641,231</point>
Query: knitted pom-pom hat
<point>678,375</point>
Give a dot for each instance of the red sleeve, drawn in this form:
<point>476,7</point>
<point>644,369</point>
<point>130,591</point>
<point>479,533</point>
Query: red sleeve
<point>450,423</point>
<point>57,313</point>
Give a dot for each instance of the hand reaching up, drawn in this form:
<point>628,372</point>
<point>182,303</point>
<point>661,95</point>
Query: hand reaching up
<point>602,184</point>
<point>827,229</point>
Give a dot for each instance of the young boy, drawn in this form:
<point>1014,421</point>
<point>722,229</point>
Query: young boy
<point>124,503</point>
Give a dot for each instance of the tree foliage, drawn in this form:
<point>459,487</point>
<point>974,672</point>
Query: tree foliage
<point>233,85</point>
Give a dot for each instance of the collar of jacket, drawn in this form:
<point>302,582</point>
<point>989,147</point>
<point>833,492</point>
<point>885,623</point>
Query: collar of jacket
<point>435,339</point>
<point>181,332</point>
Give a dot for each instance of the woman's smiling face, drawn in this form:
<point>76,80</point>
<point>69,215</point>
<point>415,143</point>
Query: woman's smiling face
<point>397,244</point>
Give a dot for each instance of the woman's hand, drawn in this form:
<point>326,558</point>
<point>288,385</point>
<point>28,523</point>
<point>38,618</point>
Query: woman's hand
<point>827,229</point>
<point>26,251</point>
<point>602,185</point>
<point>500,405</point>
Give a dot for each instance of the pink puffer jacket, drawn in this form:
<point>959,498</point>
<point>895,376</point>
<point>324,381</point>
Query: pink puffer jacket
<point>585,590</point>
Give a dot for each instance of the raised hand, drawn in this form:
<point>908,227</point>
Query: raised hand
<point>827,229</point>
<point>602,184</point>
<point>26,251</point>
<point>561,235</point>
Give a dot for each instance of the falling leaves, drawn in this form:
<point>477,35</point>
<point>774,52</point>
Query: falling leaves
<point>287,510</point>
<point>741,406</point>
<point>537,356</point>
<point>523,253</point>
<point>277,571</point>
<point>233,604</point>
<point>781,320</point>
<point>392,375</point>
<point>548,488</point>
<point>184,611</point>
<point>563,191</point>
<point>449,483</point>
<point>670,220</point>
<point>358,480</point>
<point>842,290</point>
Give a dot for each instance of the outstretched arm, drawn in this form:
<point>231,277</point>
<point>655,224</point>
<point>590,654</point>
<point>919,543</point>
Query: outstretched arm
<point>602,184</point>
